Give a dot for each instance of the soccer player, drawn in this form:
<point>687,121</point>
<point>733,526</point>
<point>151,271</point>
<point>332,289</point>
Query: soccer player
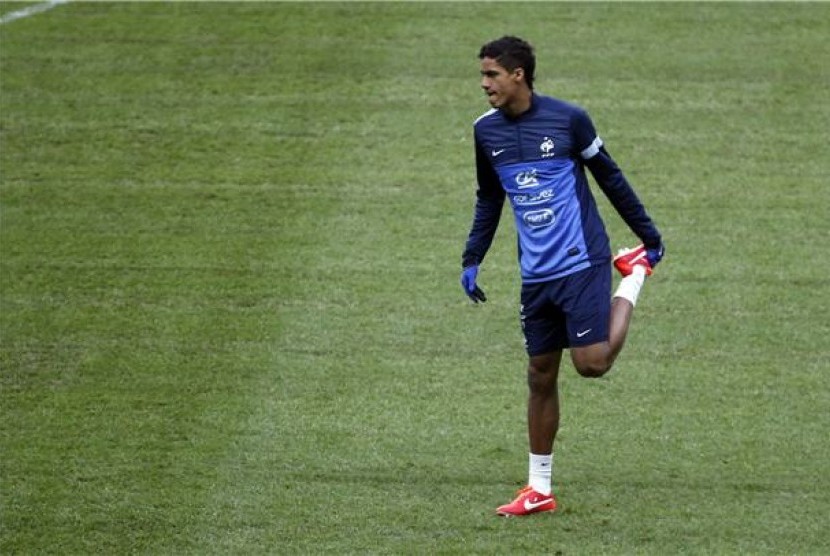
<point>534,149</point>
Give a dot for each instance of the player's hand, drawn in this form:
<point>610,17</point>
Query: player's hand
<point>468,282</point>
<point>655,254</point>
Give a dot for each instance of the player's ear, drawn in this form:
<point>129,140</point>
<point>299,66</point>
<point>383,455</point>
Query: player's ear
<point>519,74</point>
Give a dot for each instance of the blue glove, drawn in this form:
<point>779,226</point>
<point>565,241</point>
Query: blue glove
<point>654,255</point>
<point>468,282</point>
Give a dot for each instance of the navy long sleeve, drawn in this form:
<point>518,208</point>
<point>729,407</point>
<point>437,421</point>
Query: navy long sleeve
<point>623,197</point>
<point>488,208</point>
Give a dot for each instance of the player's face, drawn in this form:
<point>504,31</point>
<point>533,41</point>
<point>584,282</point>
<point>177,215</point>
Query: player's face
<point>501,85</point>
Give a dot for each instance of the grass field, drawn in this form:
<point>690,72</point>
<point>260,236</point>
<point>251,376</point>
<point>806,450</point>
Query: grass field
<point>231,319</point>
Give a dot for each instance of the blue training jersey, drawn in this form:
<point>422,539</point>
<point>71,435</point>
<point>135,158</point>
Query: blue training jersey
<point>538,162</point>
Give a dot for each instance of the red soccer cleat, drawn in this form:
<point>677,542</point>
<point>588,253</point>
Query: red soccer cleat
<point>627,259</point>
<point>527,502</point>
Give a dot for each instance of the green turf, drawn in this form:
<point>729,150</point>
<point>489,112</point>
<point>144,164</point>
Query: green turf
<point>231,322</point>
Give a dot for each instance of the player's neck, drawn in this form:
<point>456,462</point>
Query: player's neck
<point>519,105</point>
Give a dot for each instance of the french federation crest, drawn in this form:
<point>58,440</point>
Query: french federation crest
<point>546,147</point>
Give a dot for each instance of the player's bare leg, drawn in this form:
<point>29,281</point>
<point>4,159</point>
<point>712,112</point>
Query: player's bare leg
<point>543,401</point>
<point>595,360</point>
<point>542,424</point>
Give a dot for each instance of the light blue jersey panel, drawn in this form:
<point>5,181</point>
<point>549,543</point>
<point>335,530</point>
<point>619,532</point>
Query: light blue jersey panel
<point>548,216</point>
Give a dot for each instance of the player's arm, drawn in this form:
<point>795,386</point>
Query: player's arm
<point>489,203</point>
<point>613,183</point>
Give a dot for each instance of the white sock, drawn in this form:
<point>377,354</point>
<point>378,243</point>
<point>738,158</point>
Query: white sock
<point>540,473</point>
<point>630,286</point>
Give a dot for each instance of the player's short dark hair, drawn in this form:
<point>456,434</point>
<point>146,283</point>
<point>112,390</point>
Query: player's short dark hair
<point>511,53</point>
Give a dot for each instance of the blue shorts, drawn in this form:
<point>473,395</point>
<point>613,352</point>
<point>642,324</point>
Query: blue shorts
<point>571,311</point>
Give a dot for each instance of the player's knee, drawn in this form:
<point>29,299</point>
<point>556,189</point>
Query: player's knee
<point>541,380</point>
<point>592,369</point>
